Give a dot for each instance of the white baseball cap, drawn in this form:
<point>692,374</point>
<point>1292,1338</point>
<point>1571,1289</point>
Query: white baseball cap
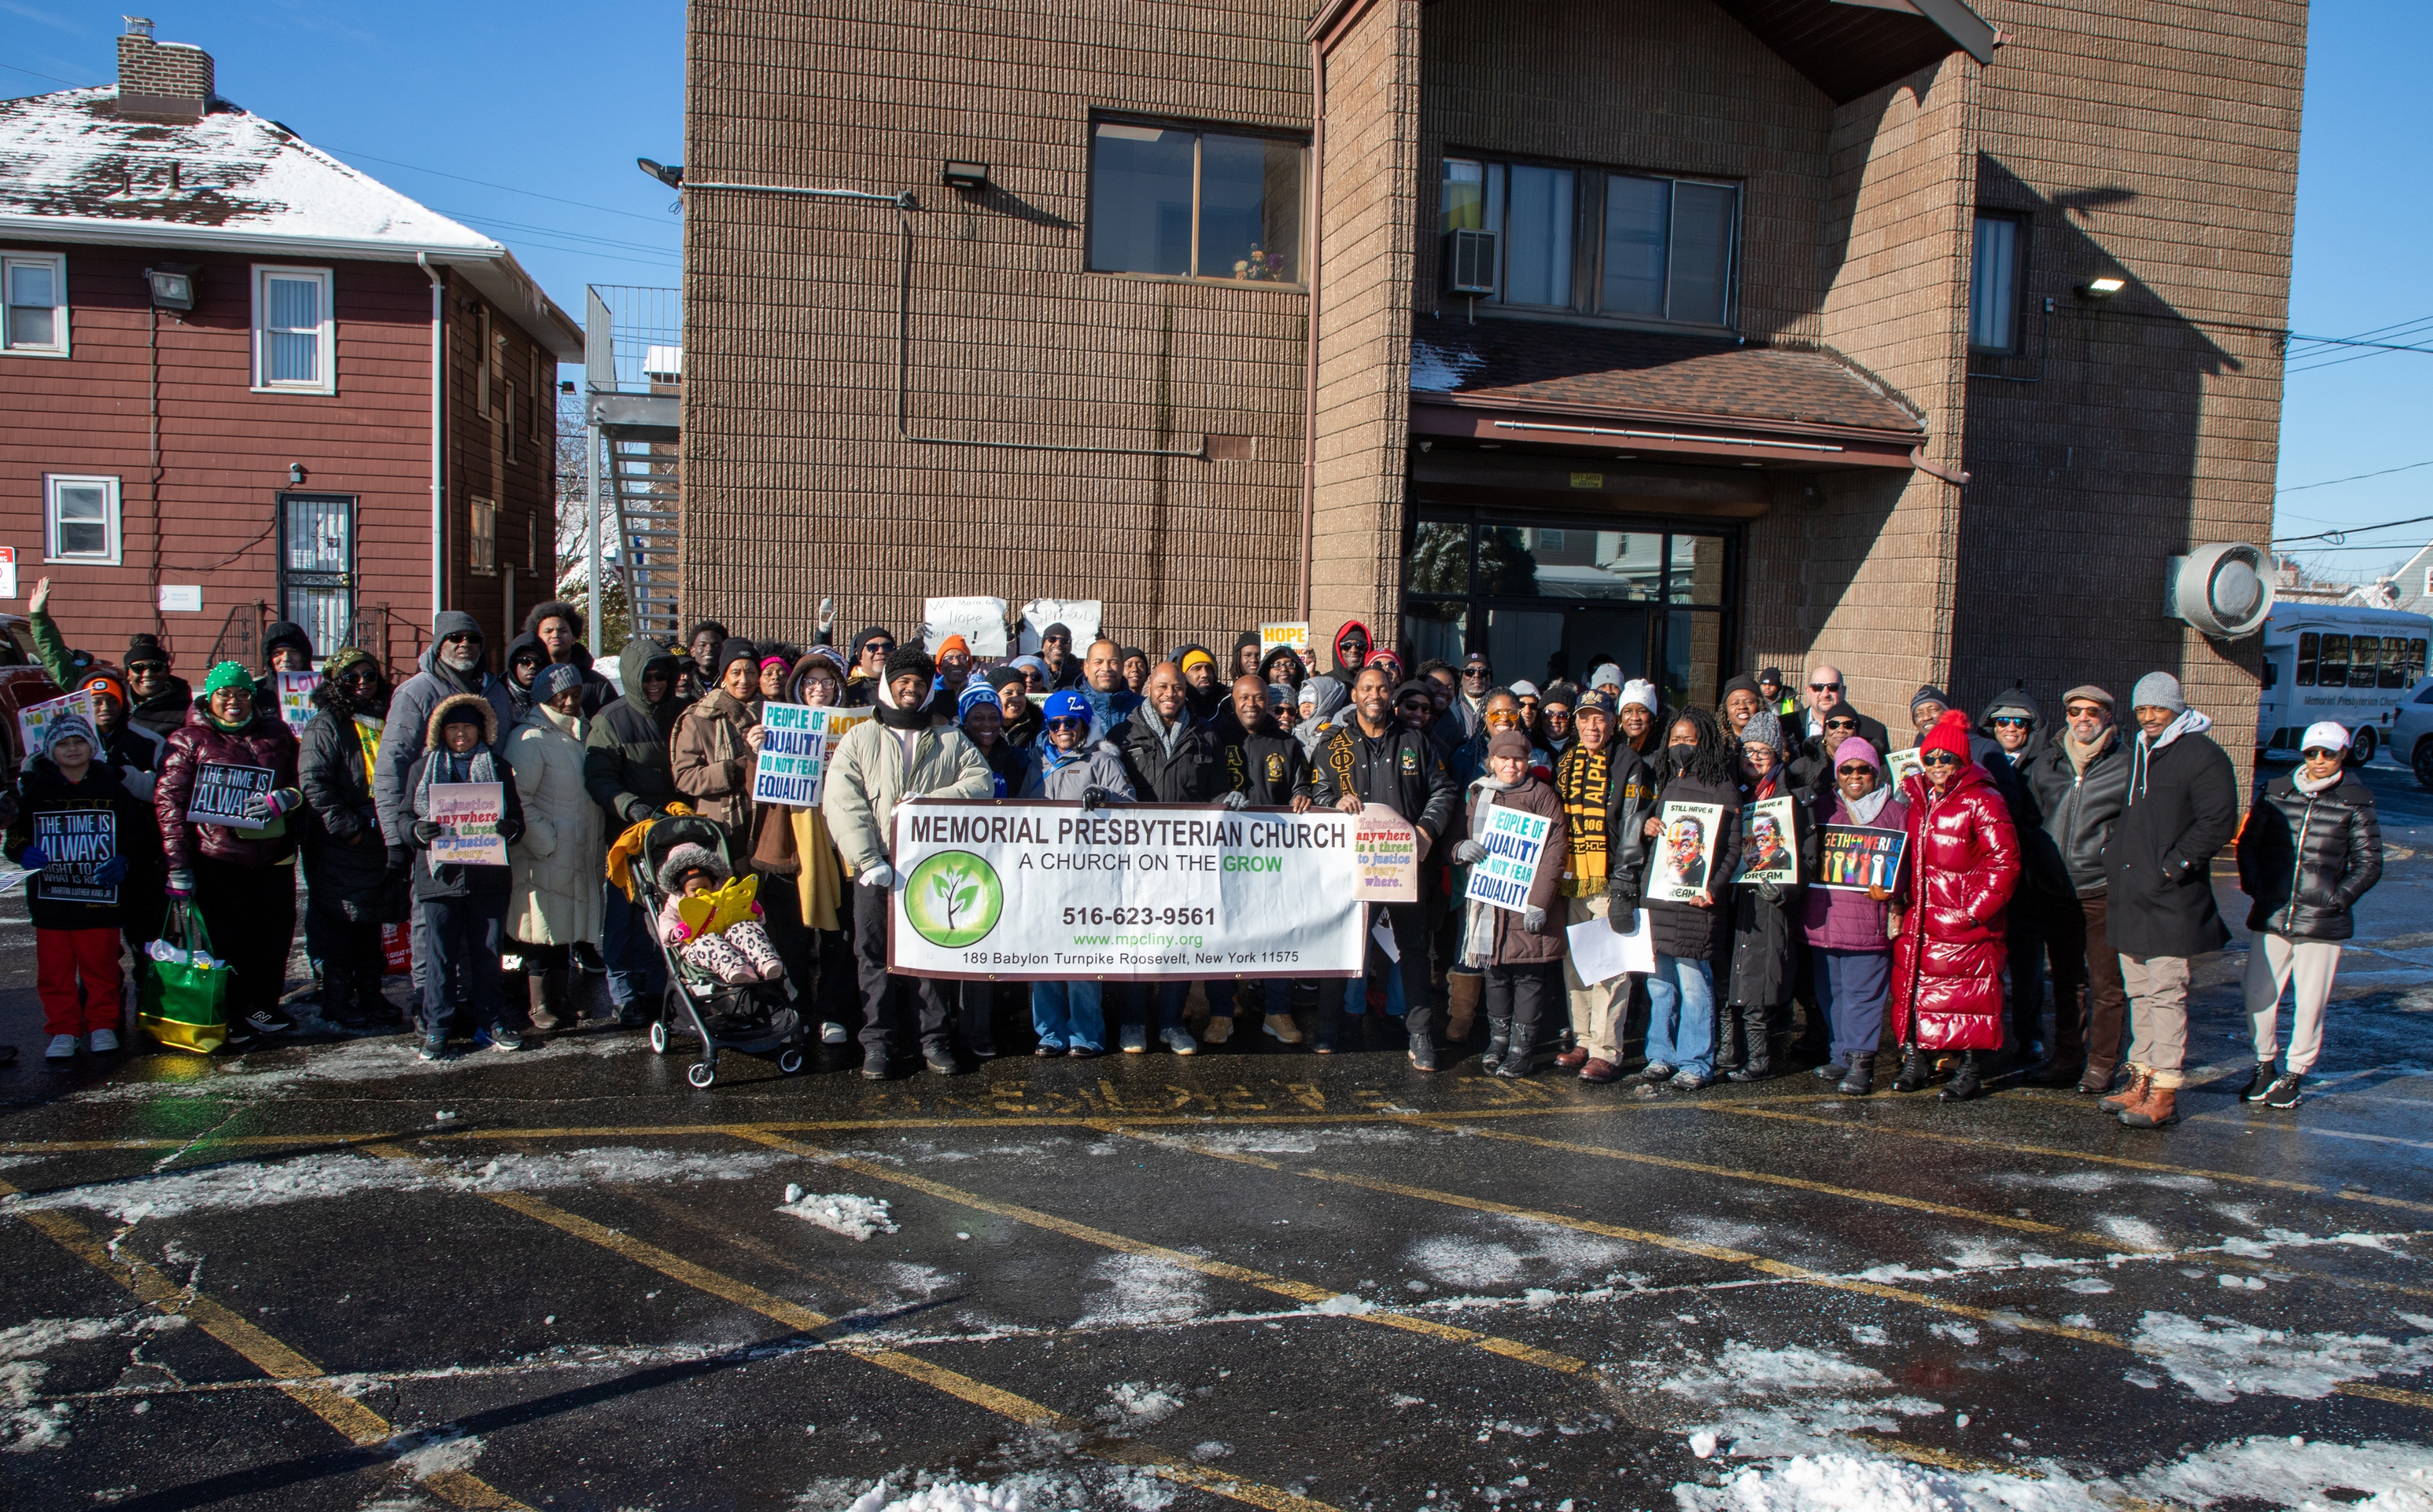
<point>2325,734</point>
<point>1524,690</point>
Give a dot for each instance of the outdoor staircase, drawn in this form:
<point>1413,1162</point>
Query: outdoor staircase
<point>641,475</point>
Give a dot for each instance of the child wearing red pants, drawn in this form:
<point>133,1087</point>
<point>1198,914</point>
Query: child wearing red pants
<point>89,840</point>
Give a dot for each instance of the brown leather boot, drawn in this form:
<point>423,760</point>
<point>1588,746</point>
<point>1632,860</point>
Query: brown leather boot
<point>2141,1081</point>
<point>536,986</point>
<point>2160,1110</point>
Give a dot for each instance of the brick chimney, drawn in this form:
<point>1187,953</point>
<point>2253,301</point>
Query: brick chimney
<point>162,80</point>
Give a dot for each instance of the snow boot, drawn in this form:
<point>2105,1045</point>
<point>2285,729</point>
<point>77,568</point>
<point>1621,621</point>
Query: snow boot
<point>1423,1053</point>
<point>1861,1079</point>
<point>1727,1040</point>
<point>1463,988</point>
<point>1916,1069</point>
<point>2141,1081</point>
<point>2159,1111</point>
<point>1498,1039</point>
<point>1964,1083</point>
<point>1516,1057</point>
<point>1757,1038</point>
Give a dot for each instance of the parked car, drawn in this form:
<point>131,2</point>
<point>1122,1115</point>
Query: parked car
<point>22,683</point>
<point>2412,731</point>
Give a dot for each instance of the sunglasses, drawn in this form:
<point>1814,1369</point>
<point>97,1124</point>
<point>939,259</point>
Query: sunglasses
<point>1416,706</point>
<point>2312,752</point>
<point>882,647</point>
<point>1855,767</point>
<point>2083,711</point>
<point>1824,688</point>
<point>361,675</point>
<point>1841,725</point>
<point>1479,672</point>
<point>1068,724</point>
<point>1938,758</point>
<point>2001,720</point>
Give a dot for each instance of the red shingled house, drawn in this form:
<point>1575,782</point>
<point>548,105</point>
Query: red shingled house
<point>243,381</point>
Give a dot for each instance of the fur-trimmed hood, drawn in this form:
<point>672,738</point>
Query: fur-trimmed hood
<point>440,712</point>
<point>690,858</point>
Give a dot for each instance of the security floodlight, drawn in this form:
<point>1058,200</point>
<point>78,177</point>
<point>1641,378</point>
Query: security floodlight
<point>672,177</point>
<point>2103,288</point>
<point>172,285</point>
<point>973,176</point>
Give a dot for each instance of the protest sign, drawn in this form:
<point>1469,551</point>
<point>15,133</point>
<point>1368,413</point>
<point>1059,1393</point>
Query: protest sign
<point>1769,841</point>
<point>1293,633</point>
<point>1684,849</point>
<point>795,744</point>
<point>1079,616</point>
<point>1051,892</point>
<point>1515,841</point>
<point>222,790</point>
<point>979,622</point>
<point>35,718</point>
<point>1855,858</point>
<point>1600,955</point>
<point>295,698</point>
<point>8,571</point>
<point>80,844</point>
<point>1388,848</point>
<point>468,814</point>
<point>1900,764</point>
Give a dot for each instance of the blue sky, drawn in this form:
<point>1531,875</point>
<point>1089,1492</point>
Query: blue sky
<point>557,100</point>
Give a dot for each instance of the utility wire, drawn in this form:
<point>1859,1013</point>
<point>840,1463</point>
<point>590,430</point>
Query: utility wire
<point>53,77</point>
<point>2336,536</point>
<point>655,220</point>
<point>2353,478</point>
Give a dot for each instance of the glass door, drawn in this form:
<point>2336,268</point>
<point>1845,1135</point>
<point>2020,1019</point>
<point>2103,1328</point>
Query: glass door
<point>317,566</point>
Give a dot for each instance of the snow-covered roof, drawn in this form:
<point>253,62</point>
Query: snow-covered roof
<point>71,169</point>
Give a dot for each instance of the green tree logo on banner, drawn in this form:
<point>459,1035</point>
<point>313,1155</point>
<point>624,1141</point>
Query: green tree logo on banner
<point>953,899</point>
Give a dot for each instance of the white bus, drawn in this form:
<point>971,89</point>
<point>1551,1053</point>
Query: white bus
<point>2336,661</point>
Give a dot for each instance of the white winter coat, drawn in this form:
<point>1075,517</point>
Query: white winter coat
<point>558,868</point>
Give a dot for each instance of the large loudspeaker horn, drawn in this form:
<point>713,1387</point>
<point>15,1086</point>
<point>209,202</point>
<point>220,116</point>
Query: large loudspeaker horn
<point>2224,590</point>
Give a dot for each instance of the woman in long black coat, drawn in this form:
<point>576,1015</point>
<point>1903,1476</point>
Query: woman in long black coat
<point>346,862</point>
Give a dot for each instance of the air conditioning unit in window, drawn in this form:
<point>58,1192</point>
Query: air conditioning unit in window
<point>1470,261</point>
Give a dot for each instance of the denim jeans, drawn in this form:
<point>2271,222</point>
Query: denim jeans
<point>1682,1015</point>
<point>637,975</point>
<point>1068,1017</point>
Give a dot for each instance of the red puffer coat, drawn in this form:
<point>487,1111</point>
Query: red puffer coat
<point>266,743</point>
<point>1964,865</point>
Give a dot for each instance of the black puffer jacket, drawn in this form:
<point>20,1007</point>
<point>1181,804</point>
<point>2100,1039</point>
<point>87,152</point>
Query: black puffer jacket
<point>2182,806</point>
<point>346,858</point>
<point>1189,774</point>
<point>2307,859</point>
<point>1764,932</point>
<point>1683,930</point>
<point>2076,812</point>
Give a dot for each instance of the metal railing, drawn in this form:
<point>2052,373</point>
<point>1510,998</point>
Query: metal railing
<point>633,377</point>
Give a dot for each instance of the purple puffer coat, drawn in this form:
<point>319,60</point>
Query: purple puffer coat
<point>1834,920</point>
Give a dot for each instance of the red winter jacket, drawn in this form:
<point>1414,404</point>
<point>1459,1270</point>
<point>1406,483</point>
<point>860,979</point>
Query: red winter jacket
<point>1964,865</point>
<point>266,743</point>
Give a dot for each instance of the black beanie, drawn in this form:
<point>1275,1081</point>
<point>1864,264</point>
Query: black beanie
<point>736,649</point>
<point>141,649</point>
<point>866,634</point>
<point>909,659</point>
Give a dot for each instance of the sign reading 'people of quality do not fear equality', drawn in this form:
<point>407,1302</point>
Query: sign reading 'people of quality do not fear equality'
<point>1053,891</point>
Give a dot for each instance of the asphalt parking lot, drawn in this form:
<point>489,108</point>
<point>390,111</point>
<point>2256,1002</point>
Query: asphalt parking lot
<point>325,1275</point>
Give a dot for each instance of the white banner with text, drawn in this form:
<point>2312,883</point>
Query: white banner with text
<point>1053,891</point>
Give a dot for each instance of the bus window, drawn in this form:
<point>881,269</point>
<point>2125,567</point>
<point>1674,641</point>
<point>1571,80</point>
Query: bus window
<point>2309,645</point>
<point>2271,675</point>
<point>2332,668</point>
<point>2415,660</point>
<point>2394,663</point>
<point>2365,660</point>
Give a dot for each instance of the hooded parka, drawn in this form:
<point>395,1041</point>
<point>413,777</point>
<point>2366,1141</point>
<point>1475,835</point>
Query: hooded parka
<point>408,716</point>
<point>712,763</point>
<point>625,762</point>
<point>872,771</point>
<point>553,895</point>
<point>1514,945</point>
<point>1964,868</point>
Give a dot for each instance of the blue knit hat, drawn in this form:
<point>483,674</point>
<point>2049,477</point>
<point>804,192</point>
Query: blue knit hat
<point>975,694</point>
<point>555,678</point>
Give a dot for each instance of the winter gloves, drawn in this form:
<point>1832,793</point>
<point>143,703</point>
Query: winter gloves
<point>426,831</point>
<point>1534,920</point>
<point>33,859</point>
<point>1097,797</point>
<point>1469,852</point>
<point>112,872</point>
<point>1236,801</point>
<point>276,804</point>
<point>880,875</point>
<point>182,883</point>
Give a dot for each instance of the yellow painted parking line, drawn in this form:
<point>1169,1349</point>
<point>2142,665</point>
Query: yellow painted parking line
<point>1999,1318</point>
<point>1297,1291</point>
<point>289,1371</point>
<point>2236,1178</point>
<point>805,1321</point>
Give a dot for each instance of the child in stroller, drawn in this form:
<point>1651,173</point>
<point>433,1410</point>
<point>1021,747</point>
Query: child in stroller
<point>713,926</point>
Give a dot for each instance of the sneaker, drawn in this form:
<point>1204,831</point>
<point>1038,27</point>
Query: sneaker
<point>1655,1071</point>
<point>1283,1028</point>
<point>2285,1091</point>
<point>500,1038</point>
<point>269,1021</point>
<point>1135,1041</point>
<point>102,1042</point>
<point>1179,1040</point>
<point>1690,1081</point>
<point>941,1059</point>
<point>64,1047</point>
<point>434,1048</point>
<point>2260,1086</point>
<point>238,1036</point>
<point>831,1034</point>
<point>874,1065</point>
<point>1219,1029</point>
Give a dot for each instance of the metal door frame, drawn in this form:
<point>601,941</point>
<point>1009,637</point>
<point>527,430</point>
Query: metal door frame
<point>349,580</point>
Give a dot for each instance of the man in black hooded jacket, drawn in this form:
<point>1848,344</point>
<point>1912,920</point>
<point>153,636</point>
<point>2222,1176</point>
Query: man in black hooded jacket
<point>629,771</point>
<point>558,626</point>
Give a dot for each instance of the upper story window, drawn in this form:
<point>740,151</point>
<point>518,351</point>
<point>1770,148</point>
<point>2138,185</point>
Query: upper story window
<point>295,340</point>
<point>36,288</point>
<point>1994,283</point>
<point>80,520</point>
<point>1194,204</point>
<point>1633,246</point>
<point>482,539</point>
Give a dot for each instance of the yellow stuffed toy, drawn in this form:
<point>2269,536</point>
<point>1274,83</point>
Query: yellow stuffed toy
<point>714,912</point>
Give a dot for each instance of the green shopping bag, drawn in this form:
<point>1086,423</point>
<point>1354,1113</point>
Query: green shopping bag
<point>183,1004</point>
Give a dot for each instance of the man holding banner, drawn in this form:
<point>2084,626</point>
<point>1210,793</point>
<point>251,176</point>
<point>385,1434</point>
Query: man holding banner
<point>1377,759</point>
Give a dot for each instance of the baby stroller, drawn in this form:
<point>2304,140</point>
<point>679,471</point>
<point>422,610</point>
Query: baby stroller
<point>754,1018</point>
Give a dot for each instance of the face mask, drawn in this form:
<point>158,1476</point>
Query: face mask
<point>1681,754</point>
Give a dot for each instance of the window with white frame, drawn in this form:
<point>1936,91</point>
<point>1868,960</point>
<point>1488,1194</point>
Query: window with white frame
<point>482,537</point>
<point>36,288</point>
<point>80,520</point>
<point>295,339</point>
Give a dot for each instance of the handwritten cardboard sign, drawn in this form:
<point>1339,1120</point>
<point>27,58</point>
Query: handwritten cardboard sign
<point>222,792</point>
<point>795,746</point>
<point>468,814</point>
<point>295,698</point>
<point>36,718</point>
<point>1387,847</point>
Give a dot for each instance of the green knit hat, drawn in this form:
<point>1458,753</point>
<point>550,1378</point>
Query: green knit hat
<point>227,675</point>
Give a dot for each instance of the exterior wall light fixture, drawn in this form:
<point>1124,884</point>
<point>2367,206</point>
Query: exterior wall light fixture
<point>973,176</point>
<point>172,285</point>
<point>2102,288</point>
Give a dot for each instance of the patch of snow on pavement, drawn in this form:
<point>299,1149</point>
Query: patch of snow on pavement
<point>1780,1401</point>
<point>1138,1404</point>
<point>2133,1231</point>
<point>2222,1359</point>
<point>435,1451</point>
<point>1142,1291</point>
<point>855,1217</point>
<point>946,1496</point>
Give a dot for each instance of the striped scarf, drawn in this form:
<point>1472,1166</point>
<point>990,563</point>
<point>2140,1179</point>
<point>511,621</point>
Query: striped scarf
<point>1580,782</point>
